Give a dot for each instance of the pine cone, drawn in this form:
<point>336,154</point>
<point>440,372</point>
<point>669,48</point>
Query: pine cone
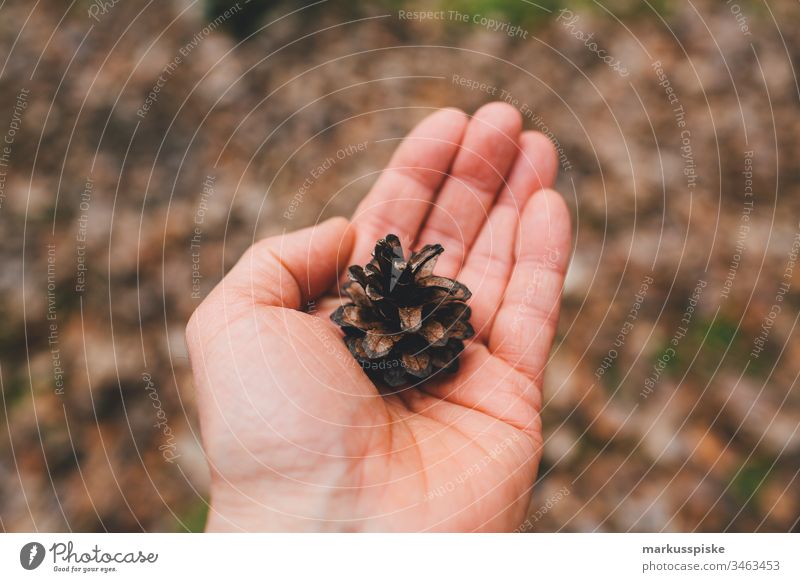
<point>404,323</point>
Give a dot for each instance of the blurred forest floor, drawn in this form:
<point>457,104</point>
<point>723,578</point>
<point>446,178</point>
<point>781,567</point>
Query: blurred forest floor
<point>707,440</point>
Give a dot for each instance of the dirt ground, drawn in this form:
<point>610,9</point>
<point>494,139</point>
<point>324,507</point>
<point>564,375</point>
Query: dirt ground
<point>149,148</point>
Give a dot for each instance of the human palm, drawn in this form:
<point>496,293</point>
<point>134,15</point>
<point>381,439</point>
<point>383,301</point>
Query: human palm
<point>299,438</point>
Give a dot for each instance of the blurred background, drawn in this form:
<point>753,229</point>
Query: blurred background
<point>145,145</point>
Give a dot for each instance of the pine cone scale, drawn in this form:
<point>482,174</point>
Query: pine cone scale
<point>410,318</point>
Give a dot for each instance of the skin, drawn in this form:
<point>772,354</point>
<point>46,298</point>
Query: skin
<point>299,439</point>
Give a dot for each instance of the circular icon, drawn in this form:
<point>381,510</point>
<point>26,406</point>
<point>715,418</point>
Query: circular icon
<point>31,555</point>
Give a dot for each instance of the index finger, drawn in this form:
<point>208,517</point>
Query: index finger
<point>401,198</point>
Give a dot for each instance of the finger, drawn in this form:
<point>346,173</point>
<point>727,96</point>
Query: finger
<point>282,271</point>
<point>402,196</point>
<point>526,322</point>
<point>488,265</point>
<point>488,150</point>
<point>258,362</point>
<point>289,270</point>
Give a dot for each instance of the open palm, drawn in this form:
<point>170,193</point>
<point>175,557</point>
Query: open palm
<point>298,437</point>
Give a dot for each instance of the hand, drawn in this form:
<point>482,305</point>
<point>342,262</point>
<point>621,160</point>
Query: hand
<point>298,438</point>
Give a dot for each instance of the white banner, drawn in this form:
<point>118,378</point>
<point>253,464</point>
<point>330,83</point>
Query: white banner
<point>399,557</point>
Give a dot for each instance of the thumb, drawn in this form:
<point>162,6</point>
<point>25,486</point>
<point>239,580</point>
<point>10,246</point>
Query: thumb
<point>288,270</point>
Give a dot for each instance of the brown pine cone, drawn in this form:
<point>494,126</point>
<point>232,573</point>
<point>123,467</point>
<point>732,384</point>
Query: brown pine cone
<point>404,323</point>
